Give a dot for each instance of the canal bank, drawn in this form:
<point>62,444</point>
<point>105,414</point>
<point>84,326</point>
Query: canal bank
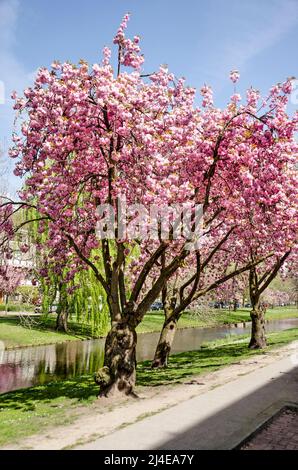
<point>31,366</point>
<point>29,330</point>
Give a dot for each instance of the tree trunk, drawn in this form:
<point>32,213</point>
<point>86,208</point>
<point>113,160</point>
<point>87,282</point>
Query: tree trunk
<point>61,322</point>
<point>62,310</point>
<point>165,343</point>
<point>258,338</point>
<point>118,375</point>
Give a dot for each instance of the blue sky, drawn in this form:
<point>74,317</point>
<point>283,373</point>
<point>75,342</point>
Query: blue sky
<point>200,40</point>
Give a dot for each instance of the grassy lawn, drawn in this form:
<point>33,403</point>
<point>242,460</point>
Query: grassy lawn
<point>16,308</point>
<point>154,321</point>
<point>26,412</point>
<point>14,334</point>
<point>243,314</point>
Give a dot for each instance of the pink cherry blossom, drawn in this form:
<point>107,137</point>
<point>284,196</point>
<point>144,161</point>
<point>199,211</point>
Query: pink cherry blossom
<point>234,76</point>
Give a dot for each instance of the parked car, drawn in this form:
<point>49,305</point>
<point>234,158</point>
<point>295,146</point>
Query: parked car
<point>156,306</point>
<point>247,305</point>
<point>221,305</point>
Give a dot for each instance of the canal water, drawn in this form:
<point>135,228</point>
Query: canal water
<point>26,367</point>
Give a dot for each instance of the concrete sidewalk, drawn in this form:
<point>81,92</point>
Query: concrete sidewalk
<point>218,419</point>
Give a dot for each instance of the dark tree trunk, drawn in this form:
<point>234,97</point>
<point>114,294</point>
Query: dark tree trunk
<point>118,375</point>
<point>61,321</point>
<point>258,337</point>
<point>165,343</point>
<point>235,305</point>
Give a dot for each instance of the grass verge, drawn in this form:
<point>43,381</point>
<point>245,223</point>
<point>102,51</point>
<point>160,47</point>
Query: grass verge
<point>14,334</point>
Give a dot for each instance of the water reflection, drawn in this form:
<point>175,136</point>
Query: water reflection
<point>25,367</point>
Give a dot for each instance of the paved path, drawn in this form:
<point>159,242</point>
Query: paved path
<point>279,433</point>
<point>218,419</point>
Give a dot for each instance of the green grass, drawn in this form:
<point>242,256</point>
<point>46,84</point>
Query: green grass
<point>154,321</point>
<point>15,335</point>
<point>16,308</point>
<point>28,411</point>
<point>211,356</point>
<point>243,314</point>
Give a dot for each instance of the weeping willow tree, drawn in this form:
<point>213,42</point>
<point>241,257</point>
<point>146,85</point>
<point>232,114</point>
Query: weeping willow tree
<point>88,303</point>
<point>81,299</point>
